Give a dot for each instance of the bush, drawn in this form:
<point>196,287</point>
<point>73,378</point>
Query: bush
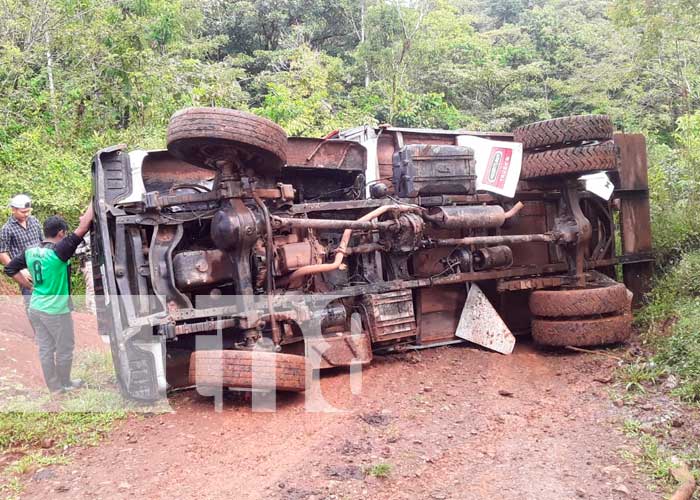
<point>679,284</point>
<point>57,178</point>
<point>673,325</point>
<point>674,173</point>
<point>680,351</point>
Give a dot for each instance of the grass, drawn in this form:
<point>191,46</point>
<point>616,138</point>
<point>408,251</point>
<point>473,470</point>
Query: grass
<point>631,427</point>
<point>670,326</point>
<point>637,376</point>
<point>33,460</point>
<point>671,330</point>
<point>381,470</point>
<point>28,418</point>
<point>25,429</point>
<point>11,488</point>
<point>654,457</point>
<point>677,349</point>
<point>40,429</point>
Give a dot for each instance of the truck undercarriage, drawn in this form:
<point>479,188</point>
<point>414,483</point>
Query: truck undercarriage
<point>238,247</point>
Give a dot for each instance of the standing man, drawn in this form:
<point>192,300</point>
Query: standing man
<point>20,232</point>
<point>50,305</point>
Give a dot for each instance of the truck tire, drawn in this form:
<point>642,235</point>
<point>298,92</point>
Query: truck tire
<point>576,160</point>
<point>582,332</point>
<point>563,131</point>
<point>202,135</point>
<point>248,370</point>
<point>595,299</point>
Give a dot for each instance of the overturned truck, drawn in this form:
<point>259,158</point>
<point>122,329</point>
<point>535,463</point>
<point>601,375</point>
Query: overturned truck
<point>238,247</point>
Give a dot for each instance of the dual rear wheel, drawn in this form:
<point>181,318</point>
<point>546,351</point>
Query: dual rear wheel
<point>567,146</point>
<point>598,314</point>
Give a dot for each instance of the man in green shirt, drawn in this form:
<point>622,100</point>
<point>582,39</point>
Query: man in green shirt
<point>50,305</point>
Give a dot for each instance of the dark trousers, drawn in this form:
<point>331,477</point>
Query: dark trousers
<point>55,339</point>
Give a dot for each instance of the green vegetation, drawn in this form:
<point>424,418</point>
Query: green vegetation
<point>637,375</point>
<point>656,458</point>
<point>671,325</point>
<point>38,430</point>
<point>653,458</point>
<point>380,470</point>
<point>78,76</point>
<point>671,329</point>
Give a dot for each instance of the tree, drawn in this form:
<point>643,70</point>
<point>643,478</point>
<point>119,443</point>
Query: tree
<point>666,44</point>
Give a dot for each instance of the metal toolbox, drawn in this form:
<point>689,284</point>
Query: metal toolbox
<point>427,169</point>
<point>390,315</point>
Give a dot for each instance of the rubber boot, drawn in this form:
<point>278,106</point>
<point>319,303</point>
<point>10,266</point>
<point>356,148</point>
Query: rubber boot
<point>63,372</point>
<point>53,382</point>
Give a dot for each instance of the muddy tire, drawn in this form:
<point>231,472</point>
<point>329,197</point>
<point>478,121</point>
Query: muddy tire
<point>202,136</point>
<point>566,130</point>
<point>597,298</point>
<point>248,370</point>
<point>576,160</point>
<point>582,332</point>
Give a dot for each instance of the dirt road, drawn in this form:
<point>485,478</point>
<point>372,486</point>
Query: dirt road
<point>19,362</point>
<point>457,423</point>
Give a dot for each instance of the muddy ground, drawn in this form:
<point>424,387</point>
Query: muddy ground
<point>447,423</point>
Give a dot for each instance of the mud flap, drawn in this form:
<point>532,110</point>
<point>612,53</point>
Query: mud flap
<point>481,324</point>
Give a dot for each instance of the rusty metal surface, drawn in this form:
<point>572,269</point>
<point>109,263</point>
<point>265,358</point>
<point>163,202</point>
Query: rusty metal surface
<point>161,171</point>
<point>343,349</point>
<point>537,216</point>
<point>199,268</point>
<point>467,216</point>
<point>366,248</point>
<point>206,326</point>
<point>424,169</point>
<point>498,257</point>
<point>325,154</point>
<point>495,240</point>
<point>576,230</point>
<point>292,222</point>
<point>425,201</point>
<point>635,218</point>
<point>157,200</point>
<point>526,232</point>
<point>390,315</point>
<point>292,256</point>
<point>297,276</point>
<point>438,309</point>
<point>391,139</point>
<point>409,234</point>
<point>235,230</point>
<point>164,241</point>
<point>536,283</point>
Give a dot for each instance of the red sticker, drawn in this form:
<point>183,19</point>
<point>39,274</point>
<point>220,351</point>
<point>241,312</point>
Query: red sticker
<point>496,171</point>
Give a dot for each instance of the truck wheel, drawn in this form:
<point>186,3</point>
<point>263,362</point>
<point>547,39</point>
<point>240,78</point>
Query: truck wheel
<point>576,160</point>
<point>563,131</point>
<point>596,298</point>
<point>248,370</point>
<point>203,135</point>
<point>582,332</point>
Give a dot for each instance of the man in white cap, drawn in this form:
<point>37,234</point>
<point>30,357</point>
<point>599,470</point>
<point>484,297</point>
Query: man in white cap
<point>20,232</point>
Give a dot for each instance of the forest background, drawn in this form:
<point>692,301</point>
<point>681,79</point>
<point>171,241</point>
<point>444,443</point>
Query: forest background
<point>79,75</point>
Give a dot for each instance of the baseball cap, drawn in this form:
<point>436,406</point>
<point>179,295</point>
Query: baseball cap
<point>21,201</point>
